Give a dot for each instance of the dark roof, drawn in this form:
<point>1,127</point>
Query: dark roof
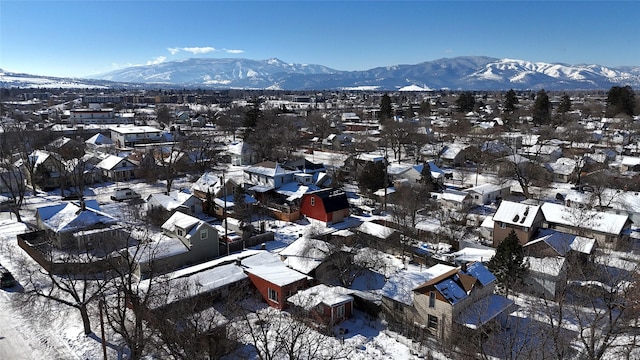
<point>302,164</point>
<point>333,200</point>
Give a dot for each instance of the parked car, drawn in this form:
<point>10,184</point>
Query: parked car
<point>6,279</point>
<point>124,194</point>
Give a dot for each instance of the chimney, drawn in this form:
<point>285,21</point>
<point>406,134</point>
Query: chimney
<point>464,267</point>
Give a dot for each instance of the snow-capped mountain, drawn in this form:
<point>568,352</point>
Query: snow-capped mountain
<point>460,73</point>
<point>215,72</point>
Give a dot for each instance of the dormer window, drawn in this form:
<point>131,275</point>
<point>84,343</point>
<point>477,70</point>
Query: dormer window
<point>180,232</point>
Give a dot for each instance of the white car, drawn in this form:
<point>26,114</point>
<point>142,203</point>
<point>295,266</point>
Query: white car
<point>124,194</point>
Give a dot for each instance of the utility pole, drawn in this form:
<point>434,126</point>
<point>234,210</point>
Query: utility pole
<point>224,213</point>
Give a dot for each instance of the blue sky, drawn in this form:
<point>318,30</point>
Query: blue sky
<point>79,38</point>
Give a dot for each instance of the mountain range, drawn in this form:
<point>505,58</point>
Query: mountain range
<point>459,73</point>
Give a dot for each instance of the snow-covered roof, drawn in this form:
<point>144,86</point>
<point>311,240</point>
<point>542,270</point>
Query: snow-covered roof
<point>563,166</point>
<point>516,213</point>
<point>400,286</point>
<point>321,294</point>
<point>99,139</point>
<point>181,220</point>
<point>134,129</point>
<point>376,230</point>
<point>563,242</point>
<point>453,195</point>
<point>473,254</point>
<point>603,222</point>
<point>71,217</point>
<point>229,201</point>
<point>161,246</point>
<point>110,162</point>
<point>305,254</point>
<point>486,188</point>
<point>483,310</point>
<point>294,190</point>
<point>268,266</point>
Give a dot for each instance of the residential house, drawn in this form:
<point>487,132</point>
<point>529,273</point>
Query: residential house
<point>130,136</point>
<point>487,193</point>
<point>328,305</point>
<point>442,300</point>
<point>100,143</point>
<point>67,224</point>
<point>523,219</point>
<point>380,237</point>
<point>175,201</point>
<point>274,281</point>
<point>241,153</point>
<point>455,199</point>
<point>328,206</point>
<point>185,240</point>
<point>209,183</point>
<point>308,256</point>
<point>630,163</point>
<point>116,168</point>
<point>608,200</point>
<point>453,155</point>
<point>546,277</point>
<point>337,142</point>
<point>48,169</point>
<point>564,169</point>
<point>610,230</point>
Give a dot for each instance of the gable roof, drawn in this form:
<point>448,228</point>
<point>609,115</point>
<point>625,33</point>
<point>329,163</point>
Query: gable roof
<point>400,286</point>
<point>516,213</point>
<point>183,221</point>
<point>267,266</point>
<point>305,254</point>
<point>603,222</point>
<point>562,243</point>
<point>71,217</point>
<point>111,161</point>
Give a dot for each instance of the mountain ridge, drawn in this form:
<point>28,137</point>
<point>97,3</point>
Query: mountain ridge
<point>458,73</point>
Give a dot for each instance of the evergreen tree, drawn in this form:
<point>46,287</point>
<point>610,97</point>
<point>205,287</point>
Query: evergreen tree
<point>253,115</point>
<point>425,108</point>
<point>620,100</point>
<point>466,102</point>
<point>510,101</point>
<point>565,104</point>
<point>240,206</point>
<point>508,264</point>
<point>386,111</point>
<point>373,176</point>
<point>542,108</point>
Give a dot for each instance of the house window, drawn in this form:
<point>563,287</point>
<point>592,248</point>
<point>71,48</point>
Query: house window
<point>432,322</point>
<point>204,233</point>
<point>313,201</point>
<point>432,299</point>
<point>180,232</point>
<point>340,311</point>
<point>477,197</point>
<point>503,225</point>
<point>273,295</point>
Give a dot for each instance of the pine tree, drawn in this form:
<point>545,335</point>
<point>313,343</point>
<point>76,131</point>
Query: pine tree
<point>386,112</point>
<point>240,206</point>
<point>510,101</point>
<point>425,108</point>
<point>373,176</point>
<point>565,104</point>
<point>508,264</point>
<point>466,102</point>
<point>620,100</point>
<point>542,108</point>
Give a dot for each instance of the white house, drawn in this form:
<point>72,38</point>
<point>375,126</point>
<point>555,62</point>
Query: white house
<point>488,193</point>
<point>129,136</point>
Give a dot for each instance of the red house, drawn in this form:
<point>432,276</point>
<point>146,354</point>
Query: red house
<point>328,305</point>
<point>327,205</point>
<point>273,279</point>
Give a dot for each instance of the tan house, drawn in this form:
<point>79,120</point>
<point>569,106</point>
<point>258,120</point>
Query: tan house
<point>448,300</point>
